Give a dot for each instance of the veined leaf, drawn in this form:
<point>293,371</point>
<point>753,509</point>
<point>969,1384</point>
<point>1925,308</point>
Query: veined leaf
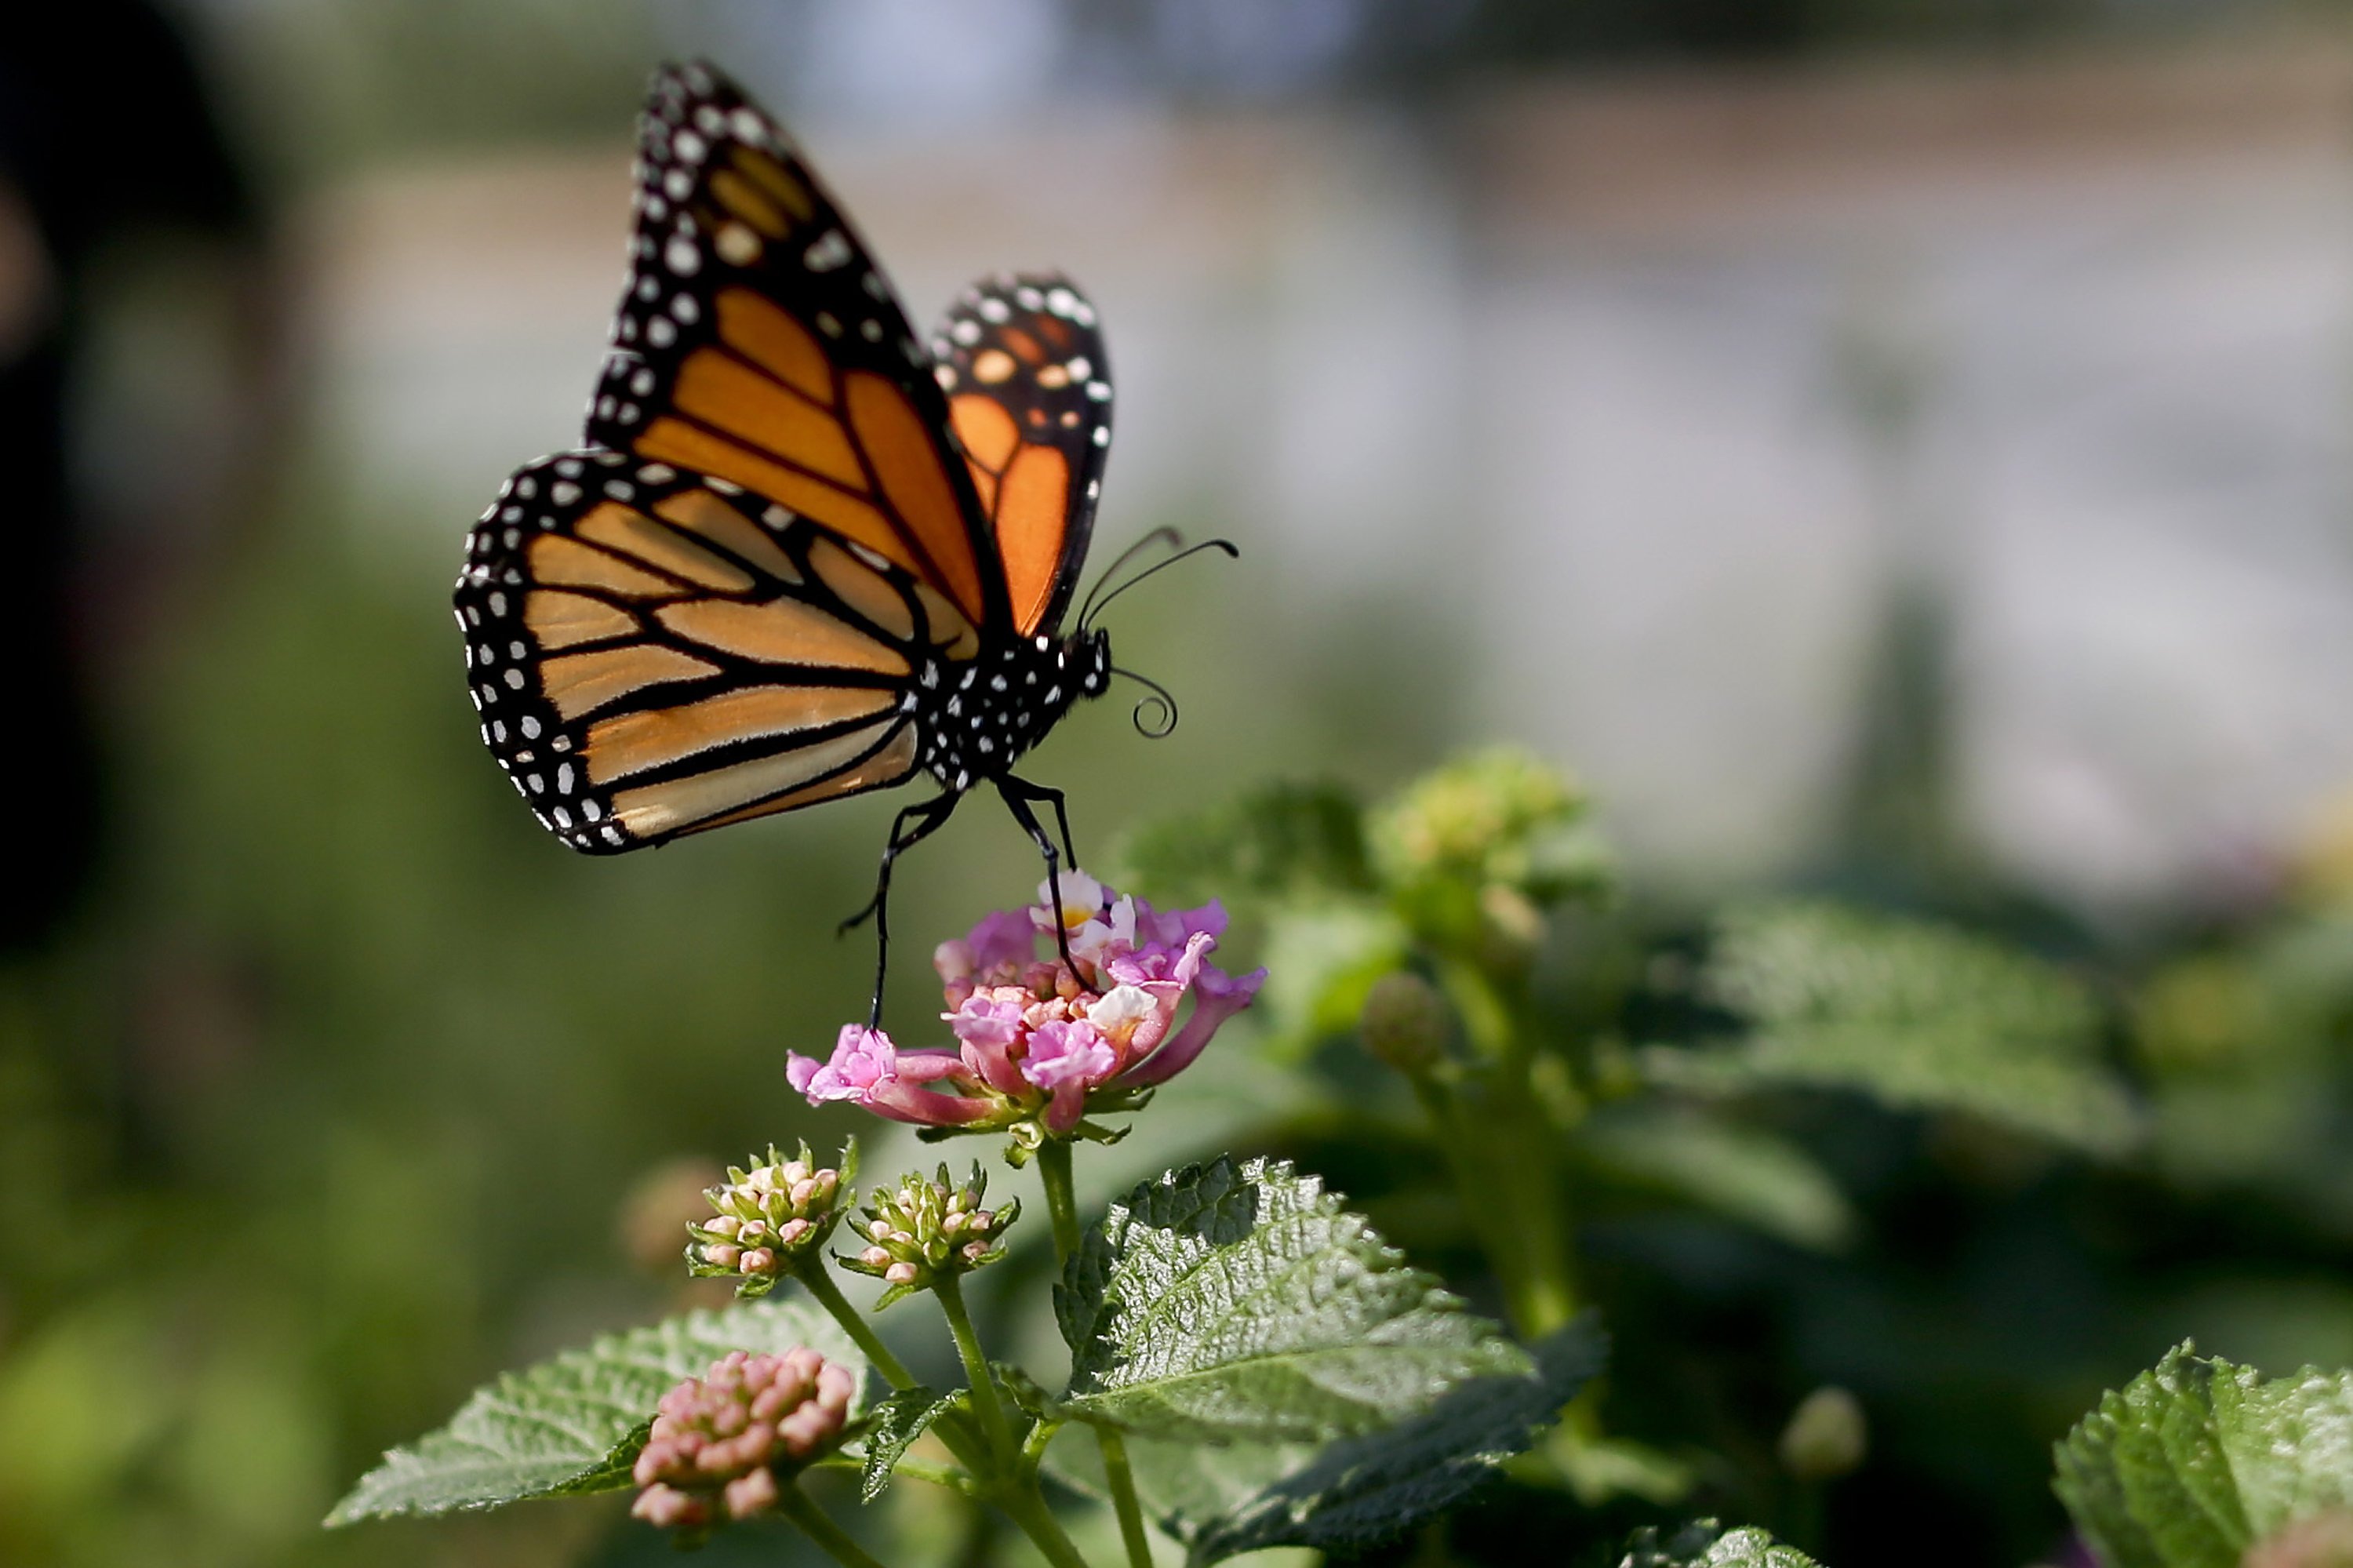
<point>574,1422</point>
<point>893,1425</point>
<point>1361,1491</point>
<point>1917,1015</point>
<point>2196,1460</point>
<point>1226,1303</point>
<point>1707,1544</point>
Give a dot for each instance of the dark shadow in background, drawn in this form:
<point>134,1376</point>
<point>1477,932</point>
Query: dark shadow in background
<point>106,132</point>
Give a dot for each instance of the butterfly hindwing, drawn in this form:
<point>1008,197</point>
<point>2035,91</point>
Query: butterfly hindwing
<point>757,342</point>
<point>1028,391</point>
<point>655,651</point>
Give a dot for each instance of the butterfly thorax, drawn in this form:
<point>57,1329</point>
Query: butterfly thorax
<point>977,716</point>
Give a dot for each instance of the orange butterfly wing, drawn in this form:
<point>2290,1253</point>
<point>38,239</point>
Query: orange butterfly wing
<point>654,654</point>
<point>1028,389</point>
<point>757,342</point>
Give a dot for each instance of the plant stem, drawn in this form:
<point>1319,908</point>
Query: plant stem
<point>1063,1208</point>
<point>796,1506</point>
<point>952,1430</point>
<point>1503,1179</point>
<point>810,1271</point>
<point>1122,1497</point>
<point>950,1291</point>
<point>1061,1203</point>
<point>1026,1509</point>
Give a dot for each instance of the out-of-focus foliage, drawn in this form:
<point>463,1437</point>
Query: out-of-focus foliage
<point>1916,1016</point>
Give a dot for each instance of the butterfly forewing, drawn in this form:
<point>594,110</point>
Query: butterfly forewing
<point>757,342</point>
<point>1028,391</point>
<point>654,653</point>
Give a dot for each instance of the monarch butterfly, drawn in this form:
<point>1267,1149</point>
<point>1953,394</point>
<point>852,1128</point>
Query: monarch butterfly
<point>799,556</point>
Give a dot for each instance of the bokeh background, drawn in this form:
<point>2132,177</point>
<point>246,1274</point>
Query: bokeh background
<point>1902,442</point>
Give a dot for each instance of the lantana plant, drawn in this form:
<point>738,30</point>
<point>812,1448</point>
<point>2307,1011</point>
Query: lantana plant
<point>1254,1365</point>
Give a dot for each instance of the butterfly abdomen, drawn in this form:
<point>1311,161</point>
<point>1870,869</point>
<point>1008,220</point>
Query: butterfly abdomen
<point>977,716</point>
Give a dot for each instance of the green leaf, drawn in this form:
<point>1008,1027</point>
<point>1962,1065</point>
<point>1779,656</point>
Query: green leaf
<point>2196,1460</point>
<point>1322,961</point>
<point>1225,1303</point>
<point>1918,1016</point>
<point>1278,842</point>
<point>1755,1177</point>
<point>574,1424</point>
<point>1704,1543</point>
<point>1361,1491</point>
<point>892,1425</point>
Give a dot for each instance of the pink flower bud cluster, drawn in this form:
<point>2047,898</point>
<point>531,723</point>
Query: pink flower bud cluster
<point>925,1227</point>
<point>717,1439</point>
<point>763,1217</point>
<point>1038,1038</point>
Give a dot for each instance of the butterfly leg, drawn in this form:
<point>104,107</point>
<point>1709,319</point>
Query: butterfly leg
<point>1017,794</point>
<point>911,827</point>
<point>1053,797</point>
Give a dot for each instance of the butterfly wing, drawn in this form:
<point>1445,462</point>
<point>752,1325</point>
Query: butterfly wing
<point>757,342</point>
<point>1029,393</point>
<point>655,652</point>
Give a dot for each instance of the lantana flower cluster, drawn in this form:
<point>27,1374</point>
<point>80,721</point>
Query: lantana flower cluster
<point>765,1219</point>
<point>717,1439</point>
<point>1042,1044</point>
<point>925,1227</point>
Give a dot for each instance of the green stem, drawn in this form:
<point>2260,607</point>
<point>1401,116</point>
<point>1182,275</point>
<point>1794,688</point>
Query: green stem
<point>938,1475</point>
<point>1061,1206</point>
<point>810,1271</point>
<point>1504,1186</point>
<point>1061,1202</point>
<point>950,1291</point>
<point>1026,1509</point>
<point>961,1440</point>
<point>796,1506</point>
<point>1122,1497</point>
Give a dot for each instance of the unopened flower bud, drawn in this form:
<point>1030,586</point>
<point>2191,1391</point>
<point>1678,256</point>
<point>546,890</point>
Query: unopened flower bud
<point>1827,1436</point>
<point>1511,927</point>
<point>763,1220</point>
<point>1404,1021</point>
<point>921,1228</point>
<point>719,1441</point>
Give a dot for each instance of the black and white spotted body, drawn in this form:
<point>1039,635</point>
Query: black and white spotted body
<point>977,719</point>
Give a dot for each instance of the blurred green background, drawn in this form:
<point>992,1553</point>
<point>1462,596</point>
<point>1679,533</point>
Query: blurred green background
<point>1896,448</point>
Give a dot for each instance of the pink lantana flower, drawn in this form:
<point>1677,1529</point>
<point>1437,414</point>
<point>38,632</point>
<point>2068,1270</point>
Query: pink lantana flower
<point>1040,1043</point>
<point>867,1068</point>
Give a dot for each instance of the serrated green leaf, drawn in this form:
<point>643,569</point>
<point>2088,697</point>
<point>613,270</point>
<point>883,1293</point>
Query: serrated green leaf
<point>1278,842</point>
<point>1361,1491</point>
<point>1747,1174</point>
<point>1704,1543</point>
<point>1228,1303</point>
<point>892,1425</point>
<point>574,1422</point>
<point>2196,1460</point>
<point>1917,1015</point>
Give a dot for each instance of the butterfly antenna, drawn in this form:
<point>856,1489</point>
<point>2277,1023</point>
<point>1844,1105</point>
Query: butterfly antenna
<point>1164,724</point>
<point>1096,605</point>
<point>1161,536</point>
